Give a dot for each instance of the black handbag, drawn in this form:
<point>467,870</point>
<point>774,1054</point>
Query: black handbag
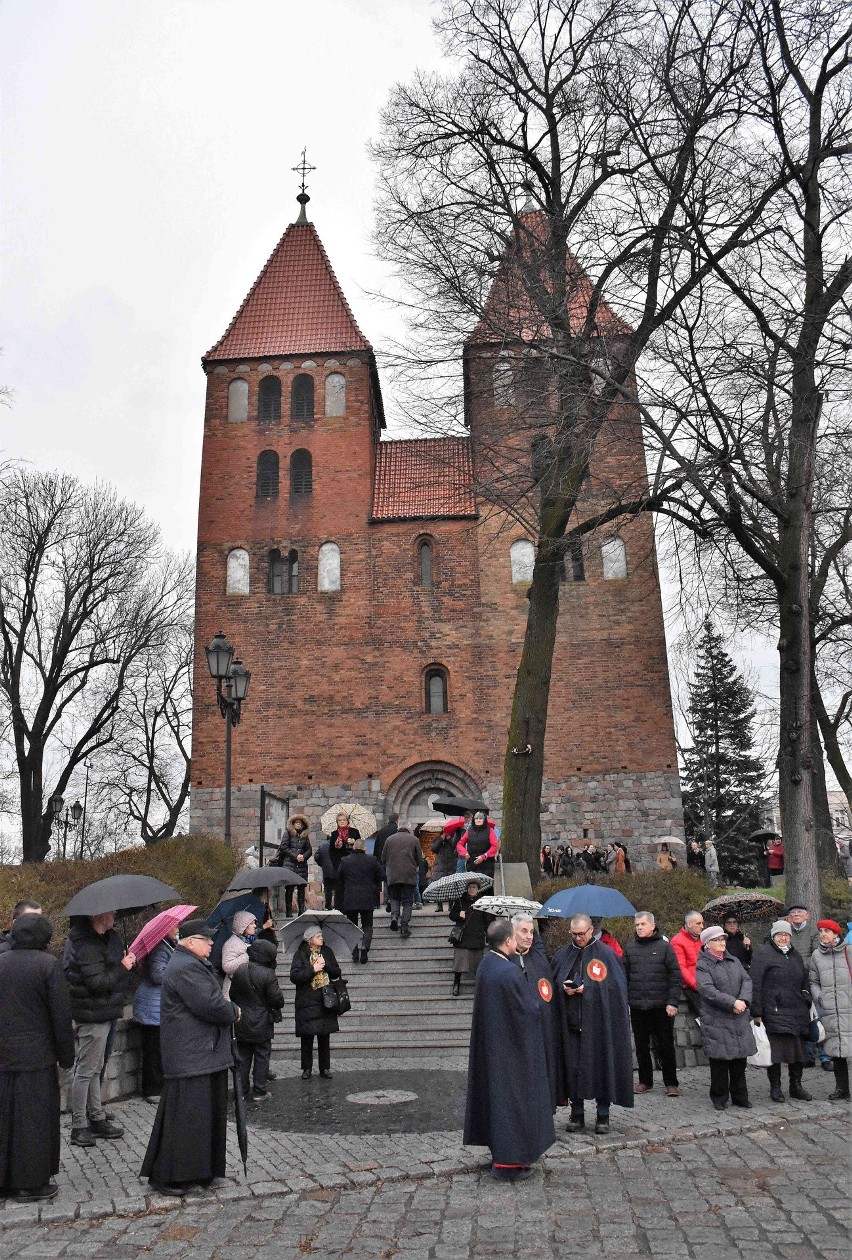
<point>335,997</point>
<point>456,932</point>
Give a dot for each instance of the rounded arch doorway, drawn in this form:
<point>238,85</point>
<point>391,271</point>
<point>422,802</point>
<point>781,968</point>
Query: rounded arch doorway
<point>412,792</point>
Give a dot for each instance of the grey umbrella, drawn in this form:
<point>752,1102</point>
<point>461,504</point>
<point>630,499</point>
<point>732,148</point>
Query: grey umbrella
<point>120,892</point>
<point>265,877</point>
<point>338,932</point>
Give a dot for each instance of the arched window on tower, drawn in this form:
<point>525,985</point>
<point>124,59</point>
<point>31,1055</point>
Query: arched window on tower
<point>238,400</point>
<point>328,567</point>
<point>436,688</point>
<point>237,576</point>
<point>426,563</point>
<point>301,472</point>
<point>267,475</point>
<point>614,557</point>
<point>283,573</point>
<point>335,394</point>
<point>503,382</point>
<point>269,400</point>
<point>302,397</point>
<point>575,566</point>
<point>522,559</point>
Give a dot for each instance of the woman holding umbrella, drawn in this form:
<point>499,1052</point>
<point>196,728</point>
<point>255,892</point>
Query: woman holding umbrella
<point>314,966</point>
<point>336,845</point>
<point>153,948</point>
<point>479,845</point>
<point>471,945</point>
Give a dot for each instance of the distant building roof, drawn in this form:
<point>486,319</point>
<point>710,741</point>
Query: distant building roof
<point>423,477</point>
<point>295,306</point>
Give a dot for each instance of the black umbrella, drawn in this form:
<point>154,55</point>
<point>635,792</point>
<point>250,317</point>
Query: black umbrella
<point>121,892</point>
<point>458,805</point>
<point>265,877</point>
<point>765,835</point>
<point>239,1104</point>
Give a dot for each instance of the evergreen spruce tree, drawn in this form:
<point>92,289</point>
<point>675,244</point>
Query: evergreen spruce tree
<point>722,780</point>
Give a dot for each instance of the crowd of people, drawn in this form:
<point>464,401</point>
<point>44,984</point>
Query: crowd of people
<point>568,1021</point>
<point>545,1033</point>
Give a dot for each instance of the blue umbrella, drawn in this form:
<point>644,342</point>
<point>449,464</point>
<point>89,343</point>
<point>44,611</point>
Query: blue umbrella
<point>589,899</point>
<point>226,909</point>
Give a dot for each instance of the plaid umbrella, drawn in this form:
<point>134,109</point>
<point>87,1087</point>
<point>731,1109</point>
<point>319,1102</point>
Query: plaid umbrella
<point>506,906</point>
<point>449,887</point>
<point>158,929</point>
<point>745,905</point>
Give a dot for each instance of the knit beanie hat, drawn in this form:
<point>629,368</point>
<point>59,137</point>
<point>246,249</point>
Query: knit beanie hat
<point>310,932</point>
<point>711,934</point>
<point>830,925</point>
<point>780,925</point>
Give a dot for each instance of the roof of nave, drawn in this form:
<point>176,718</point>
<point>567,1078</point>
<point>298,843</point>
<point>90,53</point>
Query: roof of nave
<point>295,306</point>
<point>423,478</point>
<point>510,314</point>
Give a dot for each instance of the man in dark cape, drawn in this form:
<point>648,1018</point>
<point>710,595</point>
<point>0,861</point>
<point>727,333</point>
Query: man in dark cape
<point>536,967</point>
<point>36,1033</point>
<point>509,1105</point>
<point>591,995</point>
<point>187,1143</point>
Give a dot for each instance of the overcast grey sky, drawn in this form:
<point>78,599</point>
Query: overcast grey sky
<point>147,148</point>
<point>146,155</point>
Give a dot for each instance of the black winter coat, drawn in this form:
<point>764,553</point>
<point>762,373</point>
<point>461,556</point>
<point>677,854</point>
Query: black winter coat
<point>96,978</point>
<point>35,1009</point>
<point>389,829</point>
<point>312,1019</point>
<point>780,993</point>
<point>475,923</point>
<point>292,847</point>
<point>195,1019</point>
<point>255,990</point>
<point>360,876</point>
<point>735,944</point>
<point>653,973</point>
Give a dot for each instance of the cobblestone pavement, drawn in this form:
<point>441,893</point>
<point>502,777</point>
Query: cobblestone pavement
<point>761,1195</point>
<point>670,1168</point>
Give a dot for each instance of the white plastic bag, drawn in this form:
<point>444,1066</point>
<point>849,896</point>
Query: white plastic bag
<point>762,1056</point>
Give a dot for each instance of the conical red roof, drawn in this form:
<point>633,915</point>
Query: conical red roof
<point>509,313</point>
<point>295,306</point>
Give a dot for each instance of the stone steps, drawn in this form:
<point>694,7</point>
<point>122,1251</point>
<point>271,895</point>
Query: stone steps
<point>401,1000</point>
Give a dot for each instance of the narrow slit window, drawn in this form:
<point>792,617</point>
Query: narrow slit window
<point>301,472</point>
<point>425,557</point>
<point>302,397</point>
<point>436,691</point>
<point>269,400</point>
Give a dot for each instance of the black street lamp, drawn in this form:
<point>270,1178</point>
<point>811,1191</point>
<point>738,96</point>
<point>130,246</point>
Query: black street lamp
<point>71,817</point>
<point>232,684</point>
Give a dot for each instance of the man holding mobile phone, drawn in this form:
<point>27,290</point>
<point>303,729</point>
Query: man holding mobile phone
<point>591,991</point>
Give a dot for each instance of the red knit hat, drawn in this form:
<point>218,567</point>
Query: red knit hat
<point>831,925</point>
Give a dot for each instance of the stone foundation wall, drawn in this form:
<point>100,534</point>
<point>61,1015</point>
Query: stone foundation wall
<point>688,1049</point>
<point>631,807</point>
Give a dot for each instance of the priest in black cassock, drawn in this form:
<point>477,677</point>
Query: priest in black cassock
<point>590,989</point>
<point>36,1033</point>
<point>509,1103</point>
<point>535,965</point>
<point>187,1143</point>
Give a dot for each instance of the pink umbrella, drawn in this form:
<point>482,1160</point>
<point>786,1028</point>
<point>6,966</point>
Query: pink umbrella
<point>158,929</point>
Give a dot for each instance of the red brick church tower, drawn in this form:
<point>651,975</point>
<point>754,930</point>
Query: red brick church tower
<point>381,612</point>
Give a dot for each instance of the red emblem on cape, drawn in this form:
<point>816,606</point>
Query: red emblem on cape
<point>545,990</point>
<point>596,970</point>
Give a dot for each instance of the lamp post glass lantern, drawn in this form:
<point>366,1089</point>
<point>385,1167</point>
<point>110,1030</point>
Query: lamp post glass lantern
<point>232,684</point>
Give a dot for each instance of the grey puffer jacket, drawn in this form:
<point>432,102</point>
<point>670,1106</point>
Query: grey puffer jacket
<point>721,982</point>
<point>831,989</point>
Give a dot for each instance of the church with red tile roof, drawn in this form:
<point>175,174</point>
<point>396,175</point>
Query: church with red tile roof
<point>380,602</point>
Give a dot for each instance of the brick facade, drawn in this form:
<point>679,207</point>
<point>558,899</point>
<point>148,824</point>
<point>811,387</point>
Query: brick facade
<point>336,707</point>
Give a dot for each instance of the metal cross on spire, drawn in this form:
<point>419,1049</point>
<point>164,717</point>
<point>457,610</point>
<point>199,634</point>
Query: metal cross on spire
<point>303,169</point>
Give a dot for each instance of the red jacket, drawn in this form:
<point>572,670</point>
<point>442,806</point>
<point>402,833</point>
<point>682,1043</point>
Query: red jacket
<point>687,949</point>
<point>612,943</point>
<point>775,855</point>
<point>459,824</point>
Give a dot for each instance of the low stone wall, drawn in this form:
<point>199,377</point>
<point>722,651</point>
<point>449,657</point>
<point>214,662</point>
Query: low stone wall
<point>687,1036</point>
